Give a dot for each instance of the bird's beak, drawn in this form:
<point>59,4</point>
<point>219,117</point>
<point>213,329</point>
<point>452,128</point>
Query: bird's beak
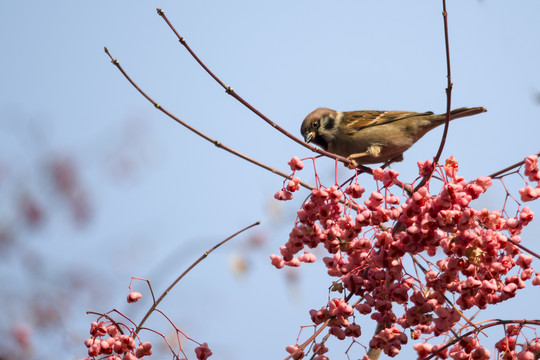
<point>308,137</point>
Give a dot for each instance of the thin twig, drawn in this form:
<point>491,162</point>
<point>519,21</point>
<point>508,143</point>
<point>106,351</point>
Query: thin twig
<point>201,134</point>
<point>229,90</point>
<point>106,315</point>
<point>312,337</point>
<point>449,84</point>
<point>203,256</point>
<point>506,169</point>
<point>325,324</point>
<point>523,248</point>
<point>448,90</point>
<point>498,322</point>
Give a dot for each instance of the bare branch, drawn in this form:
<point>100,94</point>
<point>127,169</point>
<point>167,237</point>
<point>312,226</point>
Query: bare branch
<point>201,258</point>
<point>229,90</point>
<point>191,128</point>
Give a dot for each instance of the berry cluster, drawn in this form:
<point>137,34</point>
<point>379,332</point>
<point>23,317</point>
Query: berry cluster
<point>506,347</point>
<point>528,193</point>
<point>107,340</point>
<point>367,242</point>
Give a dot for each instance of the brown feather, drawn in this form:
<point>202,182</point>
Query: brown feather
<point>358,120</point>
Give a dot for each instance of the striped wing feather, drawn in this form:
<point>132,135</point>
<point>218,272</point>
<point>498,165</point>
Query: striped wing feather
<point>358,120</point>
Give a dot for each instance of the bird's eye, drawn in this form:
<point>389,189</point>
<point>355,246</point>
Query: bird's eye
<point>315,124</point>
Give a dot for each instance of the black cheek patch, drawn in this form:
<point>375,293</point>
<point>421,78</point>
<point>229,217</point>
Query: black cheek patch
<point>329,123</point>
<point>319,140</point>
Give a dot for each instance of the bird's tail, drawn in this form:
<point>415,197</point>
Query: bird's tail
<point>464,111</point>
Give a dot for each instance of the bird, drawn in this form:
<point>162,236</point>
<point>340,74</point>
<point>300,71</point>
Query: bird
<point>372,136</point>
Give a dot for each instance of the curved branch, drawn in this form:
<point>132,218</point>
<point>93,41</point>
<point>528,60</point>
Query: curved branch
<point>448,86</point>
<point>498,322</point>
<point>201,258</point>
<point>506,169</point>
<point>229,90</point>
<point>192,129</point>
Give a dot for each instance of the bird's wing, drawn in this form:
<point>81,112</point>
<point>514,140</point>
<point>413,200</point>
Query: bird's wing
<point>358,120</point>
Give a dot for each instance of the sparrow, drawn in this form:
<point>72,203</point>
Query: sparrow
<point>371,136</point>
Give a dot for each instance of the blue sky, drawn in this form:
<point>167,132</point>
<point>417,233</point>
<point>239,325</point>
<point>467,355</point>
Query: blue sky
<point>60,96</point>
